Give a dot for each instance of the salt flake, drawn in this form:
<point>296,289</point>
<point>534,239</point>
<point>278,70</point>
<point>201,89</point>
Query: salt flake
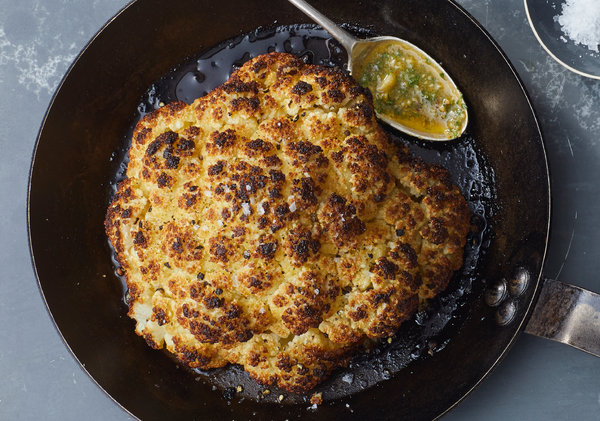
<point>580,21</point>
<point>246,208</point>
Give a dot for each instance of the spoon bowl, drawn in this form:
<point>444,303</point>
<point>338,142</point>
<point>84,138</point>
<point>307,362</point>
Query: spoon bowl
<point>411,91</point>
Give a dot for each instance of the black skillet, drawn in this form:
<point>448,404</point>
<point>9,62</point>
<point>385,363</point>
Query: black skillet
<point>86,127</point>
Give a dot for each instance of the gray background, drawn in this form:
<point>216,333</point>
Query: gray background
<point>538,380</point>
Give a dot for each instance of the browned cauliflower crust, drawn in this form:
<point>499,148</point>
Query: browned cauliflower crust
<point>272,224</point>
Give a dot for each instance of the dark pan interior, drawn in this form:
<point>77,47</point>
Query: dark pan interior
<point>85,131</point>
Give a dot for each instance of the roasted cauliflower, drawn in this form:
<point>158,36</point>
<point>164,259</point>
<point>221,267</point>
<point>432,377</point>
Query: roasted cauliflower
<point>272,224</point>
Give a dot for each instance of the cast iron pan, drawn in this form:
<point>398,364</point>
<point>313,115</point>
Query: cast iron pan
<point>439,356</point>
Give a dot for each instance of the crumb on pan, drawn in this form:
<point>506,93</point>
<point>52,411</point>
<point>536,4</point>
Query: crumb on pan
<point>316,399</point>
<point>271,224</point>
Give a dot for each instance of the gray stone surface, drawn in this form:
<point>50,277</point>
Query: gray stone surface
<point>538,380</point>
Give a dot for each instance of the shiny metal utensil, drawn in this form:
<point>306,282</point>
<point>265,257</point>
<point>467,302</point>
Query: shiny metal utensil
<point>431,108</point>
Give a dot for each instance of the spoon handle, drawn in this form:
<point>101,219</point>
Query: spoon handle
<point>338,33</point>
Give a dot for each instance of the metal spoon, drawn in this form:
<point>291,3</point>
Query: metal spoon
<point>363,53</point>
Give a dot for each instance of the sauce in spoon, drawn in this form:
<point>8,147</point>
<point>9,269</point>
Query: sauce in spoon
<point>411,89</point>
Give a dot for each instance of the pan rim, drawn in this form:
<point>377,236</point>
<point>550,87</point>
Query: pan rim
<point>535,287</point>
<point>28,204</point>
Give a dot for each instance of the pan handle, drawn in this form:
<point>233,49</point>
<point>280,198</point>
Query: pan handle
<point>567,314</point>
